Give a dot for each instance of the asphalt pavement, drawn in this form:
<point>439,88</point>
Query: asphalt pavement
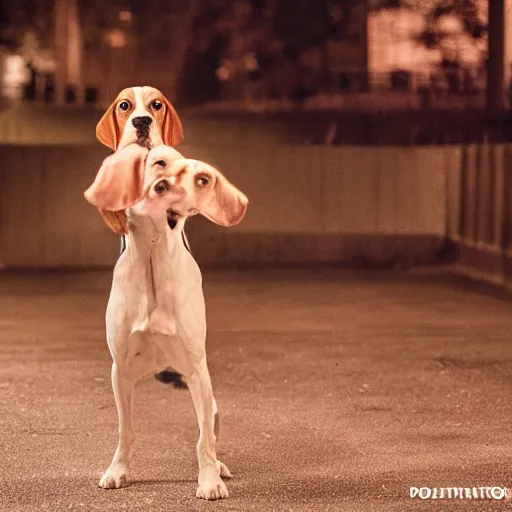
<point>338,391</point>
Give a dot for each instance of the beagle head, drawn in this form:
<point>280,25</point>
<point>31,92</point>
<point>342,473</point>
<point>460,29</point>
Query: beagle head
<point>142,115</point>
<point>160,183</point>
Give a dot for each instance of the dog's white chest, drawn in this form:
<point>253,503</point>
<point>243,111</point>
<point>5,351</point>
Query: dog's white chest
<point>158,321</point>
<point>160,306</point>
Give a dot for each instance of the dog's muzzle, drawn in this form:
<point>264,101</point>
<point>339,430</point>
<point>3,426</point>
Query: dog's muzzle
<point>142,124</point>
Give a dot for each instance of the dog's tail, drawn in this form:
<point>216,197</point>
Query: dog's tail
<point>172,377</point>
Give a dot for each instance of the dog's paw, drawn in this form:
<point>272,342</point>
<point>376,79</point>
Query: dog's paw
<point>212,489</point>
<point>114,478</point>
<point>223,470</point>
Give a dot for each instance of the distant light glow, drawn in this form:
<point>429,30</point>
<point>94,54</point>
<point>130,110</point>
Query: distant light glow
<point>116,39</point>
<point>392,44</point>
<point>14,74</point>
<point>250,62</point>
<point>336,13</point>
<point>14,66</point>
<point>223,73</point>
<point>450,25</point>
<point>125,16</point>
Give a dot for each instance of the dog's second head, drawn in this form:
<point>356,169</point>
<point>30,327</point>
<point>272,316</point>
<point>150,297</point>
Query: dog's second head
<point>141,115</point>
<point>161,182</point>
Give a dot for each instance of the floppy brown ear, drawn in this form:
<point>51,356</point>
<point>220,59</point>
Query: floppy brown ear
<point>120,180</point>
<point>116,221</point>
<point>106,129</point>
<point>172,130</point>
<point>227,205</point>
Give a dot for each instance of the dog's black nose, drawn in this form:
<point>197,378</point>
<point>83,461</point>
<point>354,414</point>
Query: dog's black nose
<point>142,122</point>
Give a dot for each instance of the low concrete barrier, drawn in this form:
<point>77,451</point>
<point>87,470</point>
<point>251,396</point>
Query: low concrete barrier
<point>44,218</point>
<point>307,205</point>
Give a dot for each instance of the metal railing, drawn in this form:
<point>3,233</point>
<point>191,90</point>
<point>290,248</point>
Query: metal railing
<point>426,88</point>
<point>480,212</point>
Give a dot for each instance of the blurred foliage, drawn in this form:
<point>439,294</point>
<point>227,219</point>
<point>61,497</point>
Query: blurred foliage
<point>198,38</point>
<point>20,19</point>
<point>302,24</point>
<point>299,24</point>
<point>17,18</point>
<point>249,42</point>
<point>465,10</point>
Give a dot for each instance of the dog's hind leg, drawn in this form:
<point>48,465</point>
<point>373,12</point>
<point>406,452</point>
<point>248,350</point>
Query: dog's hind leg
<point>116,475</point>
<point>211,487</point>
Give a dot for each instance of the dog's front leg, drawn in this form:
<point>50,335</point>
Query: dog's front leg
<point>116,475</point>
<point>211,487</point>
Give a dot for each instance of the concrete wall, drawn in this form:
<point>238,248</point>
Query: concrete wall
<point>44,218</point>
<point>307,205</point>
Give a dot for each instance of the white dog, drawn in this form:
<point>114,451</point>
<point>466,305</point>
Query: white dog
<point>156,312</point>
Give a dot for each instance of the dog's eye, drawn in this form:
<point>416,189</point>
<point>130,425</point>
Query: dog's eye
<point>157,105</point>
<point>124,105</point>
<point>160,163</point>
<point>161,187</point>
<point>202,180</point>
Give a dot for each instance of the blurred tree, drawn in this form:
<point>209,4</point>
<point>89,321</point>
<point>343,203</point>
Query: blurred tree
<point>203,40</point>
<point>465,10</point>
<point>226,37</point>
<point>455,28</point>
<point>301,24</point>
<point>455,43</point>
<point>304,25</point>
<point>23,16</point>
<point>496,57</point>
<point>26,29</point>
<point>186,13</point>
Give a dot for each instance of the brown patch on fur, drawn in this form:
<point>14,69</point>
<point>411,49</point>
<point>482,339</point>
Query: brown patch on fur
<point>111,126</point>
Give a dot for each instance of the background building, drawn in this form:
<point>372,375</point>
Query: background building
<point>79,51</point>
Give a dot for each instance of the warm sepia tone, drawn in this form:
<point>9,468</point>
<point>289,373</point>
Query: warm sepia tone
<point>358,311</point>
